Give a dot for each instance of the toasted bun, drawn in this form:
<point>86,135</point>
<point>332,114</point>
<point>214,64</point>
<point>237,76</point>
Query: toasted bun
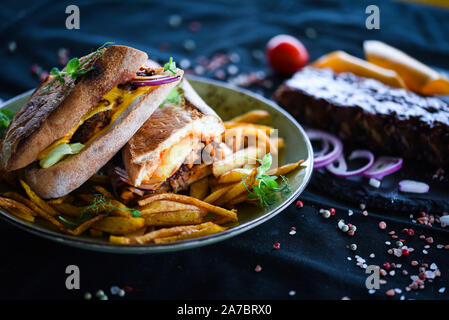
<point>72,172</point>
<point>166,127</point>
<point>50,114</point>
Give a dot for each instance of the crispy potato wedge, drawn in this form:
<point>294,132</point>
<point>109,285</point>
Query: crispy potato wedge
<point>252,116</point>
<point>35,208</point>
<point>69,209</point>
<point>96,233</point>
<point>283,170</point>
<point>235,175</point>
<point>268,130</point>
<point>239,199</point>
<point>119,225</point>
<point>245,132</point>
<point>85,225</point>
<point>237,160</point>
<point>19,202</point>
<point>237,189</point>
<point>218,193</point>
<point>199,189</point>
<point>104,192</point>
<point>37,200</point>
<point>189,200</point>
<point>205,229</point>
<point>165,206</point>
<point>174,218</point>
<point>21,215</point>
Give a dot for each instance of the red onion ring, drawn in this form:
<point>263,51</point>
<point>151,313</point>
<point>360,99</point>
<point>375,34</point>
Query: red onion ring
<point>341,170</point>
<point>153,82</point>
<point>413,186</point>
<point>123,175</point>
<point>384,166</point>
<point>326,159</point>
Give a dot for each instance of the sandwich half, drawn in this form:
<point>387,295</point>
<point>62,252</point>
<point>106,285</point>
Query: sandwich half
<point>71,127</point>
<point>176,145</point>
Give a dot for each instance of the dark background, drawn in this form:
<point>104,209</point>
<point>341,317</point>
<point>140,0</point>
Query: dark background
<point>313,262</point>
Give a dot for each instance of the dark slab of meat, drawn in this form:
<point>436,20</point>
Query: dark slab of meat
<point>92,126</point>
<point>366,113</point>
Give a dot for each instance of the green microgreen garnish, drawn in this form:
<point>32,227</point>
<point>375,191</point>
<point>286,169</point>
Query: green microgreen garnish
<point>5,117</point>
<point>75,67</point>
<point>99,207</point>
<point>267,190</point>
<point>171,66</point>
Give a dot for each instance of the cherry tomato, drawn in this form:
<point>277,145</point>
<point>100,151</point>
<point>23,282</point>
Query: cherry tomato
<point>286,54</point>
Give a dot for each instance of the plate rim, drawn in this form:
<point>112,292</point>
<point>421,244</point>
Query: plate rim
<point>93,245</point>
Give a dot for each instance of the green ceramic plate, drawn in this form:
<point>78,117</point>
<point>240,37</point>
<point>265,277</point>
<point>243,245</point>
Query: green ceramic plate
<point>228,101</point>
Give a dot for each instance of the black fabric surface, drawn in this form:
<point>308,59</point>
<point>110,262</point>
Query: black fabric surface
<point>313,262</point>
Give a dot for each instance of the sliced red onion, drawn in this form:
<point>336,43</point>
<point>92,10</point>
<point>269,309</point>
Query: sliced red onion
<point>413,186</point>
<point>123,175</point>
<point>322,160</point>
<point>384,166</point>
<point>341,169</point>
<point>153,82</point>
<point>323,151</point>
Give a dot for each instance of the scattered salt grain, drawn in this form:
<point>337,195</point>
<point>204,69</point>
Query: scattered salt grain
<point>115,290</point>
<point>371,291</point>
<point>350,212</point>
<point>374,183</point>
<point>292,292</point>
<point>372,255</point>
<point>442,289</point>
<point>292,232</point>
<point>387,243</point>
<point>425,251</point>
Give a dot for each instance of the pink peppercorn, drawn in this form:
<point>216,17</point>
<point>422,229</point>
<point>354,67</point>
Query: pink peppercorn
<point>276,246</point>
<point>332,211</point>
<point>387,266</point>
<point>405,252</point>
<point>299,204</point>
<point>410,232</point>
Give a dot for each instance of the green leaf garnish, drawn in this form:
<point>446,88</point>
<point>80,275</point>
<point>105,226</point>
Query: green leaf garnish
<point>267,190</point>
<point>171,66</point>
<point>75,67</point>
<point>6,116</point>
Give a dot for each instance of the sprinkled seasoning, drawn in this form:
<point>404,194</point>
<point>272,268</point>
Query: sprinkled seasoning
<point>258,268</point>
<point>353,247</point>
<point>87,296</point>
<point>276,246</point>
<point>382,225</point>
<point>299,204</point>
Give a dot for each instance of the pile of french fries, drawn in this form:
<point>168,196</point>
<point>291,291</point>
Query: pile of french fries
<point>161,218</point>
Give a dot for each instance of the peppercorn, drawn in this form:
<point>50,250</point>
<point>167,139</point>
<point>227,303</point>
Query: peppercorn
<point>410,232</point>
<point>345,228</point>
<point>353,247</point>
<point>299,204</point>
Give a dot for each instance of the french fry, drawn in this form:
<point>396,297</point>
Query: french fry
<point>284,169</point>
<point>252,116</point>
<point>119,225</point>
<point>235,175</point>
<point>207,228</point>
<point>174,218</point>
<point>279,142</point>
<point>104,192</point>
<point>237,160</point>
<point>239,199</point>
<point>262,138</point>
<point>19,202</point>
<point>37,200</point>
<point>165,206</point>
<point>189,200</point>
<point>20,214</point>
<point>199,189</point>
<point>37,210</point>
<point>237,189</point>
<point>150,236</point>
<point>137,233</point>
<point>84,226</point>
<point>218,193</point>
<point>268,130</point>
<point>69,209</point>
<point>66,199</point>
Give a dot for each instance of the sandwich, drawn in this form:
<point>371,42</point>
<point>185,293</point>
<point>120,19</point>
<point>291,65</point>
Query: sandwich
<point>80,117</point>
<point>176,146</point>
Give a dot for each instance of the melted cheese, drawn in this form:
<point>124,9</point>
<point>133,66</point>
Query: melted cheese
<point>117,100</point>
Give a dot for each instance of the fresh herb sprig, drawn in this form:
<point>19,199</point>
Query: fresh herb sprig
<point>171,66</point>
<point>266,189</point>
<point>99,207</point>
<point>6,116</point>
<point>75,67</point>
